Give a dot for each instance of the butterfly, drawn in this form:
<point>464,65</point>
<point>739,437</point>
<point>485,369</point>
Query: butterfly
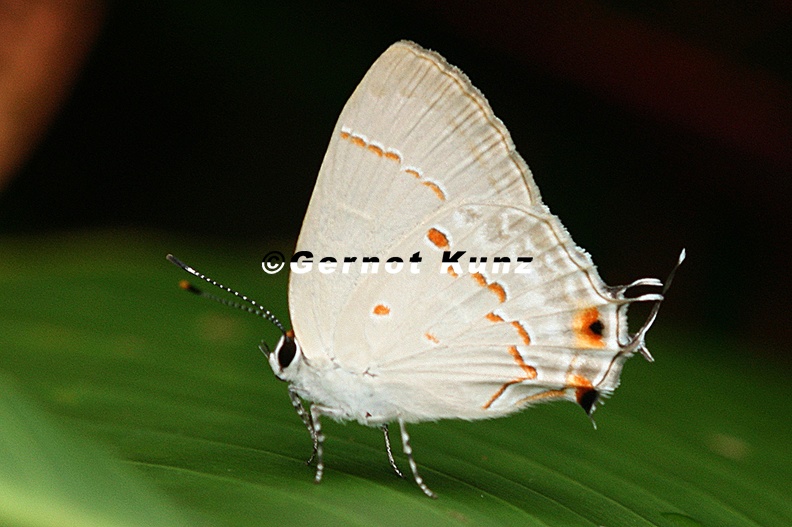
<point>419,167</point>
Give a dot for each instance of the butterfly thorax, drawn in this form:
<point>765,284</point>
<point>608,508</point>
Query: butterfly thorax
<point>353,395</point>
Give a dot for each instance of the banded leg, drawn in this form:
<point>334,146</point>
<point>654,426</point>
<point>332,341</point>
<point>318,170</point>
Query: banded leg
<point>316,411</point>
<point>298,406</point>
<point>390,452</point>
<point>413,466</point>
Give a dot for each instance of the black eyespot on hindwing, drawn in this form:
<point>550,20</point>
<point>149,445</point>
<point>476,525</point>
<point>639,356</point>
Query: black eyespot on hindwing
<point>597,327</point>
<point>588,399</point>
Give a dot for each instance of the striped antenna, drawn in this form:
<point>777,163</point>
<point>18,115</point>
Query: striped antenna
<point>257,309</point>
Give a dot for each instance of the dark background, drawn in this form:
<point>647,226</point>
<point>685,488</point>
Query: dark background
<point>649,126</point>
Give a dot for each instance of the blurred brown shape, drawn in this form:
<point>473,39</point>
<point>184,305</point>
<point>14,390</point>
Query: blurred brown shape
<point>43,44</point>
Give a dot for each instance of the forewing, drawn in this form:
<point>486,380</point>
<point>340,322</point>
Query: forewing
<point>415,138</point>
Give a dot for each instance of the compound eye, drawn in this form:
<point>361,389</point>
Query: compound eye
<point>286,352</point>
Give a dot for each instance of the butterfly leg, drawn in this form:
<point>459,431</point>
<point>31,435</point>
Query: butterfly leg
<point>298,406</point>
<point>319,437</point>
<point>413,466</point>
<point>390,452</point>
<point>316,411</point>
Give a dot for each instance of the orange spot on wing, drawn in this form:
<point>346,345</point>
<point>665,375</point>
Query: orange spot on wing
<point>498,289</point>
<point>357,140</point>
<point>578,381</point>
<point>582,325</point>
<point>381,310</point>
<point>432,338</point>
<point>436,189</point>
<point>393,156</point>
<point>344,135</point>
<point>375,150</point>
<point>496,395</point>
<point>412,172</point>
<point>521,331</point>
<point>492,317</point>
<point>439,239</point>
<point>450,270</point>
<point>495,287</point>
<point>581,385</point>
<point>530,371</point>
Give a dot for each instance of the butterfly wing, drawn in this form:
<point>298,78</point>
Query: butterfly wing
<point>414,137</point>
<point>418,163</point>
<point>479,342</point>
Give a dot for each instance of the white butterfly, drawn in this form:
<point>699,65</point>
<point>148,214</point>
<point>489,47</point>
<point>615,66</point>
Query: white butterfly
<point>419,163</point>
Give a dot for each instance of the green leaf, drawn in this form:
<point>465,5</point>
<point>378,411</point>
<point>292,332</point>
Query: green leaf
<point>50,478</point>
<point>96,332</point>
